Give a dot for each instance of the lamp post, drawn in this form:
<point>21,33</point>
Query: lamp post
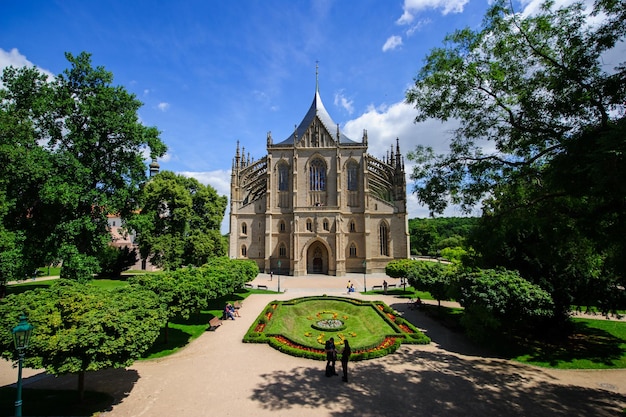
<point>21,336</point>
<point>364,272</point>
<point>278,275</point>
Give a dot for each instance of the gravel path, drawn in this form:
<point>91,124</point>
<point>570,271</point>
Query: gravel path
<point>217,375</point>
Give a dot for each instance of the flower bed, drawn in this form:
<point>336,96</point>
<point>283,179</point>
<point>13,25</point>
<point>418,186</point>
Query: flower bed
<point>373,328</point>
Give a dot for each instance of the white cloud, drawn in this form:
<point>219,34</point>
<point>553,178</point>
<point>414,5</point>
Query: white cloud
<point>386,123</point>
<point>392,43</point>
<point>418,26</point>
<point>14,58</point>
<point>163,106</point>
<point>412,7</point>
<point>342,101</point>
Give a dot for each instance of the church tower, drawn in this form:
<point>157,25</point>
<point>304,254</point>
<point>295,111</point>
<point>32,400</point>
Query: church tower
<point>318,203</point>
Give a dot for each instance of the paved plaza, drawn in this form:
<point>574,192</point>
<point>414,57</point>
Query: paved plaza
<point>218,375</point>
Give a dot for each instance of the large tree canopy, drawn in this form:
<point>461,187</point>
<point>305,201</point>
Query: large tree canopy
<point>523,88</point>
<point>179,221</point>
<point>541,142</point>
<point>72,150</point>
<point>81,327</point>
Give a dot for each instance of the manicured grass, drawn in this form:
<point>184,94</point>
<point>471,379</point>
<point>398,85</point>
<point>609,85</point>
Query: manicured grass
<point>592,344</point>
<point>295,327</point>
<point>400,292</point>
<point>184,331</point>
<point>53,271</point>
<point>31,285</point>
<point>294,321</point>
<point>54,402</point>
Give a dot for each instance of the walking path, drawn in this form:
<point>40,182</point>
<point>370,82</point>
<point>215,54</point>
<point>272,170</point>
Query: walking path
<point>217,375</point>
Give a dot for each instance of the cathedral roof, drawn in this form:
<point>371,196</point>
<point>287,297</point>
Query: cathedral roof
<point>317,109</point>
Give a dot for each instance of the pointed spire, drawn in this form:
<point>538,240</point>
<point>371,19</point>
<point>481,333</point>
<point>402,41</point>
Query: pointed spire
<point>237,157</point>
<point>317,76</point>
<point>399,158</point>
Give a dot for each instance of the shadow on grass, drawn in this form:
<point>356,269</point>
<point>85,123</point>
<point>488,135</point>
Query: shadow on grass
<point>586,347</point>
<point>46,395</point>
<point>417,382</point>
<point>585,344</point>
<point>28,286</point>
<point>176,339</point>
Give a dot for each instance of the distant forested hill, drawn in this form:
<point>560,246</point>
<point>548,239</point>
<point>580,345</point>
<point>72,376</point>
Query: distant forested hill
<point>428,236</point>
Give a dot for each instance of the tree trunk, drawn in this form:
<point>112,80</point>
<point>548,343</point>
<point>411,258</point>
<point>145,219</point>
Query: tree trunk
<point>81,385</point>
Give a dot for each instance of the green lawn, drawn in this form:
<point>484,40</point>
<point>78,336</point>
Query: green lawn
<point>183,331</point>
<point>593,344</point>
<point>294,321</point>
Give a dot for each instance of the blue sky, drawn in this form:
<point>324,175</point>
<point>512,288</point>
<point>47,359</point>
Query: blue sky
<point>211,73</point>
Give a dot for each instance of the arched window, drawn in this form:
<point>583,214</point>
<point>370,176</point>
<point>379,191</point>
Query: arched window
<point>326,225</point>
<point>283,177</point>
<point>281,226</point>
<point>352,226</point>
<point>309,225</point>
<point>384,239</point>
<point>353,176</point>
<point>244,229</point>
<point>317,175</point>
<point>352,250</point>
<point>282,250</point>
<point>244,251</point>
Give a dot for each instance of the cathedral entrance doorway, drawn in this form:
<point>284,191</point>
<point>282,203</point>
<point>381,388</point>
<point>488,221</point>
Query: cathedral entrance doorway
<point>317,259</point>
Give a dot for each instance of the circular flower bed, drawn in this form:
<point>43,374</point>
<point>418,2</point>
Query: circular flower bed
<point>332,325</point>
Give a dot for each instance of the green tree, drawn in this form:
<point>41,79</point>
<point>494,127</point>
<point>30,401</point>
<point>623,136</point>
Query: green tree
<point>522,89</point>
<point>540,139</point>
<point>179,221</point>
<point>80,327</point>
<point>71,151</point>
<point>180,294</point>
<point>436,278</point>
<point>113,260</point>
<point>494,298</point>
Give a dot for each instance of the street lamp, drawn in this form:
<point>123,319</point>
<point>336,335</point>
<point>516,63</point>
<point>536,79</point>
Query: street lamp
<point>21,337</point>
<point>279,275</point>
<point>364,272</point>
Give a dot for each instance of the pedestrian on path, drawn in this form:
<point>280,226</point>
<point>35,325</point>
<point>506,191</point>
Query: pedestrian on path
<point>345,357</point>
<point>331,357</point>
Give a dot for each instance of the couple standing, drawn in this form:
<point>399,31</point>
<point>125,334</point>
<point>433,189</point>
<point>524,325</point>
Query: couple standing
<point>331,358</point>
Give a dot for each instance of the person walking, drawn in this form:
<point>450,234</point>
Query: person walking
<point>331,357</point>
<point>345,357</point>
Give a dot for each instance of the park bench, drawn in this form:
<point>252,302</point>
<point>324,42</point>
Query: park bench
<point>248,285</point>
<point>214,323</point>
<point>391,286</point>
<point>377,287</point>
<point>262,287</point>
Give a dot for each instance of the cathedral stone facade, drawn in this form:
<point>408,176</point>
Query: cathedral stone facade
<point>318,203</point>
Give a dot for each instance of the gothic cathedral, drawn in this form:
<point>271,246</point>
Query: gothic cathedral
<point>318,203</point>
